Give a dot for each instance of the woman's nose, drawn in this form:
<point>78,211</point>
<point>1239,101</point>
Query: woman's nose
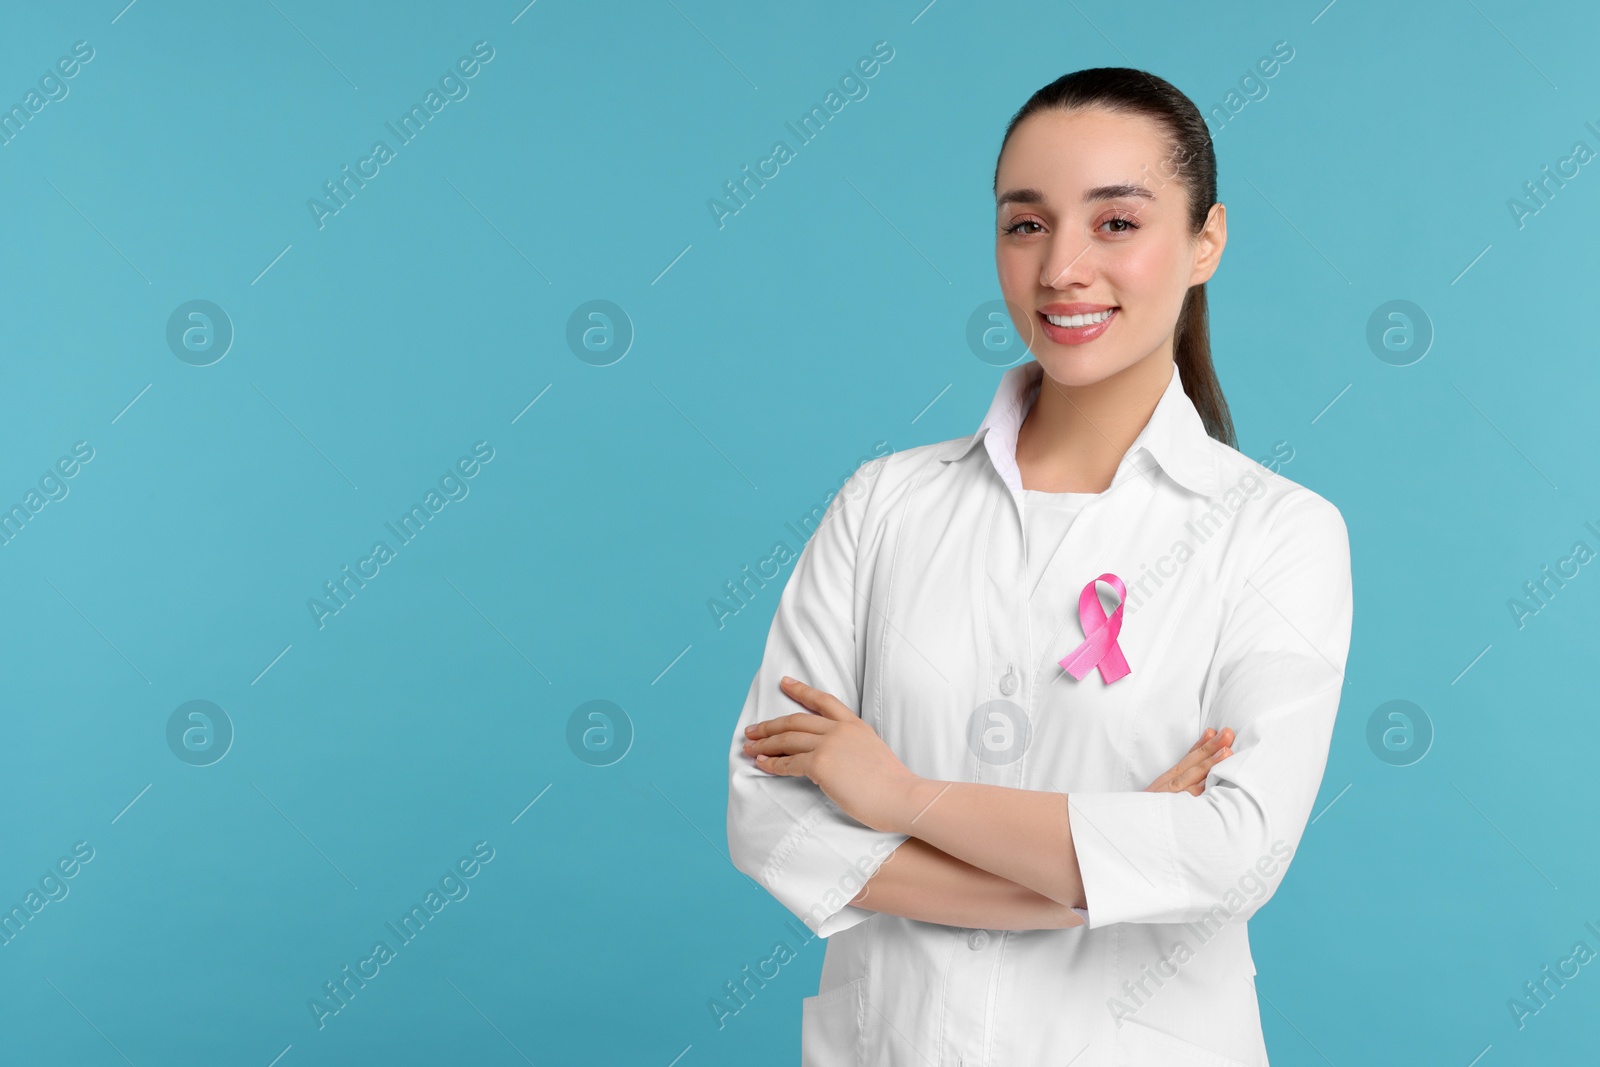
<point>1064,264</point>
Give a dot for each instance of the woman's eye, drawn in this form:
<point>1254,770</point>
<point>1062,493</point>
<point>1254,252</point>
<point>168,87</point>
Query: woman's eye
<point>1118,224</point>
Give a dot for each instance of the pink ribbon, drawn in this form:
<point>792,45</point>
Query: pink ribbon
<point>1099,646</point>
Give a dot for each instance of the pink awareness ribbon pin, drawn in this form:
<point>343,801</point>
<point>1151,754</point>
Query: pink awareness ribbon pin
<point>1099,646</point>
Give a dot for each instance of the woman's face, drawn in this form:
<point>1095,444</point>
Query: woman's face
<point>1089,219</point>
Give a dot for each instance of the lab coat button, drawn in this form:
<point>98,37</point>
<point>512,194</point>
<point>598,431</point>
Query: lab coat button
<point>977,940</point>
<point>1008,684</point>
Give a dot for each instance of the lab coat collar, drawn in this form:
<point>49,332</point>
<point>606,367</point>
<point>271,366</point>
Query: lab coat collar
<point>1175,436</point>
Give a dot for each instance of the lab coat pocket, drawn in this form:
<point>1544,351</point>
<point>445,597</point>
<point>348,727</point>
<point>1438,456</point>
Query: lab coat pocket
<point>1139,1045</point>
<point>830,1027</point>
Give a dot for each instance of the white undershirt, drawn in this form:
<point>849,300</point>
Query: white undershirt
<point>1047,517</point>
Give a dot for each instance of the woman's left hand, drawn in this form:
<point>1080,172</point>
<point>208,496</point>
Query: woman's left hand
<point>837,750</point>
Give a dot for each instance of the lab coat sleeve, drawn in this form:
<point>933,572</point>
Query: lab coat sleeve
<point>1276,678</point>
<point>783,831</point>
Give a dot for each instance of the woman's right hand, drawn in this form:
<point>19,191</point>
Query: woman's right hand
<point>1188,775</point>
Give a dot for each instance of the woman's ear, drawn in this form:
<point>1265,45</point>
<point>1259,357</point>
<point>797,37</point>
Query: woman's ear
<point>1209,243</point>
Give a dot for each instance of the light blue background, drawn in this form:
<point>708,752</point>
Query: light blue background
<point>770,355</point>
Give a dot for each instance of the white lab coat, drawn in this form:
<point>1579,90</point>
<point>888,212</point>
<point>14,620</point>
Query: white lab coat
<point>908,604</point>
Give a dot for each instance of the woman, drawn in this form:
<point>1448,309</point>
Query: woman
<point>999,640</point>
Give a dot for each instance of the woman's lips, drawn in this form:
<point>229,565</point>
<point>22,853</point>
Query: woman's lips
<point>1076,335</point>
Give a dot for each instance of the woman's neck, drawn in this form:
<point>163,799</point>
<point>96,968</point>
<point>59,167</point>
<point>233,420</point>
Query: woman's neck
<point>1074,437</point>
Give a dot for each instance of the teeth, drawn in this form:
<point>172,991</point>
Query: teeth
<point>1079,320</point>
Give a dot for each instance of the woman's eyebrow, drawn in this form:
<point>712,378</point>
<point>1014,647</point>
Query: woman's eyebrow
<point>1117,191</point>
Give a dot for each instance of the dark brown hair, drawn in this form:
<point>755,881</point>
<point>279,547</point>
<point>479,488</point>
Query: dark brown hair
<point>1124,89</point>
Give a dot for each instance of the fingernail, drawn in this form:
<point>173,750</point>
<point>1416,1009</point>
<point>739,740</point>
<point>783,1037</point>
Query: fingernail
<point>786,680</point>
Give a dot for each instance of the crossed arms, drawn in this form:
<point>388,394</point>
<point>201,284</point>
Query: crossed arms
<point>997,858</point>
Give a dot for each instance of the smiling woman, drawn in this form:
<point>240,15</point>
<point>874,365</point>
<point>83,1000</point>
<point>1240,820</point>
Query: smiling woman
<point>947,703</point>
